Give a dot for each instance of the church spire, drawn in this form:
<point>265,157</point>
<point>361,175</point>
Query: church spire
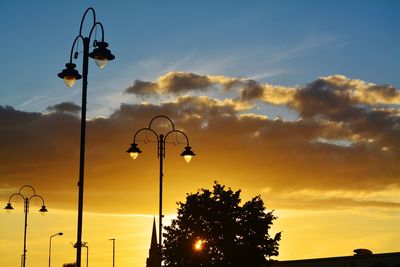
<point>154,244</point>
<point>152,260</point>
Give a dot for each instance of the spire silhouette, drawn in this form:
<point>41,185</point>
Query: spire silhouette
<point>152,260</point>
<point>154,244</point>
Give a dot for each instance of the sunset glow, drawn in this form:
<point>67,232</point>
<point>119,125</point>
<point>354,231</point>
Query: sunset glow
<point>297,102</point>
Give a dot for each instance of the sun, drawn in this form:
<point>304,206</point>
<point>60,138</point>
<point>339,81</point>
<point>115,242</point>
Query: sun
<point>198,245</point>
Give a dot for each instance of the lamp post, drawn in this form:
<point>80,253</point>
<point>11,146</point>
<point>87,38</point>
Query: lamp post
<point>27,199</point>
<point>86,245</point>
<point>161,141</point>
<point>101,55</point>
<point>50,245</point>
<point>113,240</point>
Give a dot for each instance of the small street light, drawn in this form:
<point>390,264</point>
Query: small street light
<point>70,75</point>
<point>50,245</point>
<point>27,199</point>
<point>134,152</point>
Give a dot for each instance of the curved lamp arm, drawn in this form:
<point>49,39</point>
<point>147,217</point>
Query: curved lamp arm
<point>29,186</point>
<point>178,131</point>
<point>13,195</point>
<point>162,116</point>
<point>84,16</point>
<point>145,129</point>
<point>73,46</point>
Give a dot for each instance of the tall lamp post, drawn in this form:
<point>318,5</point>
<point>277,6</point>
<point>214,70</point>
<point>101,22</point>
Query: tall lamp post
<point>50,245</point>
<point>113,240</point>
<point>101,55</point>
<point>27,198</point>
<point>161,141</point>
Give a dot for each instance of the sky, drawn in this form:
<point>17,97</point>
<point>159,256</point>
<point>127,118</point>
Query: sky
<point>295,101</point>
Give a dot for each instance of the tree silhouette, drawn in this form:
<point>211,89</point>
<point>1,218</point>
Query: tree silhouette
<point>213,230</point>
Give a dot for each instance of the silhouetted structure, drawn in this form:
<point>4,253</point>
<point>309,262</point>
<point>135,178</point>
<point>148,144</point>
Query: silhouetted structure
<point>187,154</point>
<point>358,260</point>
<point>70,75</point>
<point>153,259</point>
<point>27,198</point>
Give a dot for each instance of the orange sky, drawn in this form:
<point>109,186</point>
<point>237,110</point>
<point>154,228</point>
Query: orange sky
<point>328,165</point>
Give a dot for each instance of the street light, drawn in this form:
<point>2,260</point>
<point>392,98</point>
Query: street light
<point>50,245</point>
<point>113,240</point>
<point>134,152</point>
<point>27,199</point>
<point>101,55</point>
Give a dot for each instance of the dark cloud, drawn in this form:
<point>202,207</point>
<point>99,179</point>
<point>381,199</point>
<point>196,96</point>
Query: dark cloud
<point>179,83</point>
<point>142,88</point>
<point>65,107</point>
<point>251,90</point>
<point>319,99</point>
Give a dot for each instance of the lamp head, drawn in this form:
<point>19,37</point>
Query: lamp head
<point>134,151</point>
<point>60,233</point>
<point>101,54</point>
<point>187,154</point>
<point>8,208</point>
<point>43,210</point>
<point>69,74</point>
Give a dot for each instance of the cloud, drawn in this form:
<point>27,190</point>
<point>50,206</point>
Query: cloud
<point>179,83</point>
<point>338,143</point>
<point>65,107</point>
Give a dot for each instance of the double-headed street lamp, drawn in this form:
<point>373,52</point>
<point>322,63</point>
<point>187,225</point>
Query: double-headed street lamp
<point>50,245</point>
<point>161,141</point>
<point>27,199</point>
<point>101,55</point>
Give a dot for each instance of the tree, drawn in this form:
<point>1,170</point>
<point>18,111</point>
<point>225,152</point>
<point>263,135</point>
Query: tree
<point>211,229</point>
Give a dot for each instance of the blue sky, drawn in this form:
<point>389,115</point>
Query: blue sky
<point>279,42</point>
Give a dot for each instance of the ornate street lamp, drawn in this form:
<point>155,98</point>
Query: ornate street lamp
<point>27,199</point>
<point>134,152</point>
<point>70,75</point>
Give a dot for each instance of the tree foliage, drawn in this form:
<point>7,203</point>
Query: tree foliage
<point>228,234</point>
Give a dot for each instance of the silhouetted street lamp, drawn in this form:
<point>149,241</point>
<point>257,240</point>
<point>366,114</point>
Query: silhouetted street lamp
<point>161,141</point>
<point>113,240</point>
<point>27,199</point>
<point>101,55</point>
<point>50,245</point>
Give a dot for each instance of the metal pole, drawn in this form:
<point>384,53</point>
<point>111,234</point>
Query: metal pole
<point>26,209</point>
<point>161,156</point>
<point>50,250</point>
<point>87,256</point>
<point>113,240</point>
<point>82,149</point>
